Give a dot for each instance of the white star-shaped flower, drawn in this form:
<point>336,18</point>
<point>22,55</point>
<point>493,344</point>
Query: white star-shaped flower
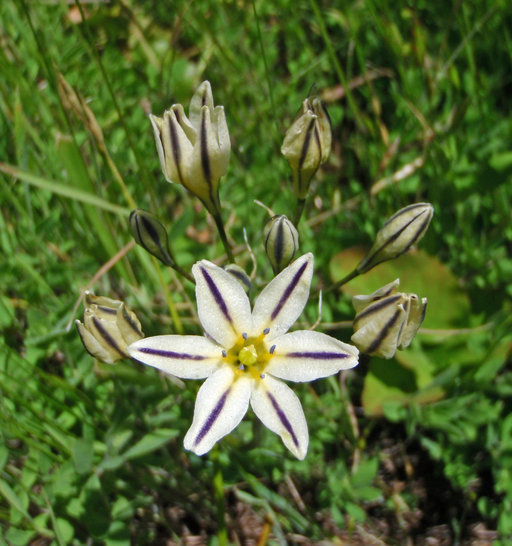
<point>245,355</point>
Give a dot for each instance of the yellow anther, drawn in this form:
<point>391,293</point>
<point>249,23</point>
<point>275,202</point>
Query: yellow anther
<point>248,355</point>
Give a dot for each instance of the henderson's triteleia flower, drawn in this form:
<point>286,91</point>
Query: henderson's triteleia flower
<point>109,327</point>
<point>387,320</point>
<point>194,151</point>
<point>307,144</point>
<point>405,228</point>
<point>245,355</point>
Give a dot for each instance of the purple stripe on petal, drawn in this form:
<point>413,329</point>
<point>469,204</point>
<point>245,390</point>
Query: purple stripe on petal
<point>217,296</point>
<point>376,343</point>
<point>205,159</point>
<point>103,332</point>
<point>282,417</point>
<point>317,355</point>
<point>175,147</point>
<point>289,289</point>
<point>170,354</point>
<point>212,417</point>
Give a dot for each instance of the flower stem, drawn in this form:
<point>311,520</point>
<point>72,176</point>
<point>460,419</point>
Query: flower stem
<point>343,281</point>
<point>299,210</point>
<point>183,273</point>
<point>220,227</point>
<point>218,490</point>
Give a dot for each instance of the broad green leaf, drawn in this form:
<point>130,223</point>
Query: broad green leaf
<point>82,453</point>
<point>390,381</point>
<point>18,537</point>
<point>151,442</point>
<point>66,530</point>
<point>10,496</point>
<point>97,510</point>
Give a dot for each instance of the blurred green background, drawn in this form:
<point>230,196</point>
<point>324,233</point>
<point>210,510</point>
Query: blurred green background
<point>418,448</point>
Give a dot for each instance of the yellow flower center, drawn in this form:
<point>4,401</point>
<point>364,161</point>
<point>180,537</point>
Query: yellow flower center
<point>249,355</point>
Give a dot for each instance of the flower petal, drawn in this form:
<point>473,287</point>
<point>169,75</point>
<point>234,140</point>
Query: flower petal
<point>188,357</point>
<point>222,304</point>
<point>156,122</point>
<point>416,316</point>
<point>203,96</point>
<point>221,403</point>
<point>377,329</point>
<point>106,333</point>
<point>279,409</point>
<point>283,299</point>
<point>177,148</point>
<point>222,133</point>
<point>203,181</point>
<point>305,355</point>
<point>361,302</point>
<point>184,122</point>
<point>92,345</point>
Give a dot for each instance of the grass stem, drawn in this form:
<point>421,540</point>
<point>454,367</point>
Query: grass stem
<point>218,491</point>
<point>178,326</point>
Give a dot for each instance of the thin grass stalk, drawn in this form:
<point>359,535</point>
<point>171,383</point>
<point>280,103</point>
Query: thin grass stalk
<point>178,326</point>
<point>106,79</point>
<point>106,238</point>
<point>220,504</point>
<point>265,63</point>
<point>336,64</point>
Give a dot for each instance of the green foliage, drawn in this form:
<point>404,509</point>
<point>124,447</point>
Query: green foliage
<point>94,452</point>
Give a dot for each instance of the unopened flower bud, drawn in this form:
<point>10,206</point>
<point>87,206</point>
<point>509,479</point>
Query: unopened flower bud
<point>108,328</point>
<point>239,274</point>
<point>398,234</point>
<point>194,151</point>
<point>151,235</point>
<point>281,241</point>
<point>387,320</point>
<point>307,144</point>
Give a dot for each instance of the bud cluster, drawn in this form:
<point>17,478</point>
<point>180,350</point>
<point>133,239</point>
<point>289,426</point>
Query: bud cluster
<point>386,320</point>
<point>194,151</point>
<point>307,144</point>
<point>108,328</point>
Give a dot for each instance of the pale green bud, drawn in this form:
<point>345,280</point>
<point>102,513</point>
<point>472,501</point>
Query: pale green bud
<point>307,144</point>
<point>398,234</point>
<point>387,320</point>
<point>108,328</point>
<point>281,241</point>
<point>194,151</point>
<point>239,274</point>
<point>151,235</point>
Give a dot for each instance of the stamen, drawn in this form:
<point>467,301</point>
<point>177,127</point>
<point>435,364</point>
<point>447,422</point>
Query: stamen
<point>272,349</point>
<point>244,335</point>
<point>262,375</point>
<point>266,331</point>
<point>241,367</point>
<point>224,354</point>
